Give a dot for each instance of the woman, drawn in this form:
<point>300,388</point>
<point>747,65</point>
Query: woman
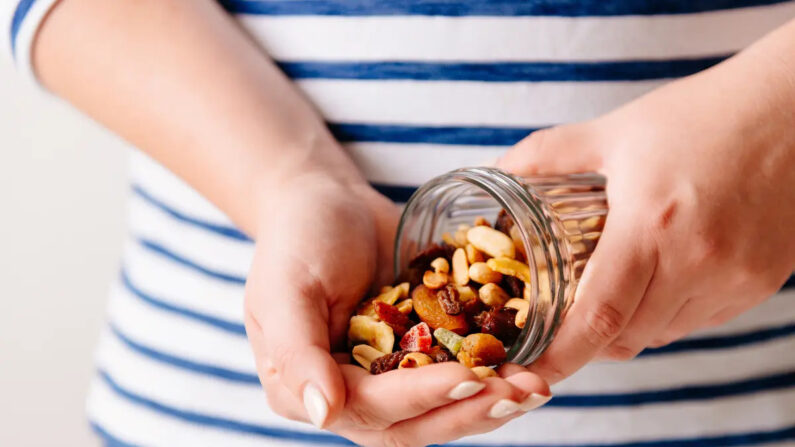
<point>700,175</point>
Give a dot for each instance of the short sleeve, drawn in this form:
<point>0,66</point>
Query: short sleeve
<point>21,20</point>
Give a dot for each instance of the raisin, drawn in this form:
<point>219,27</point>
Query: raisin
<point>390,315</point>
<point>441,355</point>
<point>503,222</point>
<point>422,260</point>
<point>427,307</point>
<point>513,285</point>
<point>499,323</point>
<point>387,362</point>
<point>448,298</point>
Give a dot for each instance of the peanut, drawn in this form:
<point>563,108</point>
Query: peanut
<point>484,372</point>
<point>510,267</point>
<point>522,308</point>
<point>371,331</point>
<point>480,272</point>
<point>460,267</point>
<point>492,242</point>
<point>473,254</point>
<point>460,235</point>
<point>440,265</point>
<point>466,293</point>
<point>415,360</point>
<point>492,295</point>
<point>481,350</point>
<point>365,354</point>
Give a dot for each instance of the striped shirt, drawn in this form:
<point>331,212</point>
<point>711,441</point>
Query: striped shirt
<point>414,88</point>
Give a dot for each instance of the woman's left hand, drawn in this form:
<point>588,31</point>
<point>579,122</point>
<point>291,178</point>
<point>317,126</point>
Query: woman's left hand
<point>701,188</point>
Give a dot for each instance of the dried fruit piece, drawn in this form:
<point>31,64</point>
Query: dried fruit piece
<point>375,333</point>
<point>484,371</point>
<point>500,323</point>
<point>390,315</point>
<point>365,354</point>
<point>441,355</point>
<point>460,267</point>
<point>492,295</point>
<point>522,308</point>
<point>492,242</point>
<point>387,362</point>
<point>504,222</point>
<point>511,267</point>
<point>415,360</point>
<point>388,295</point>
<point>405,307</point>
<point>448,339</point>
<point>417,339</point>
<point>513,286</point>
<point>480,272</point>
<point>481,350</point>
<point>435,280</point>
<point>403,289</point>
<point>473,254</point>
<point>448,299</point>
<point>427,307</point>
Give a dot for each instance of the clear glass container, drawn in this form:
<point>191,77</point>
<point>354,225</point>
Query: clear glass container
<point>557,223</point>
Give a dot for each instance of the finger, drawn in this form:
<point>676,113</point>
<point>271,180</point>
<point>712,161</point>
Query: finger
<point>493,407</point>
<point>613,283</point>
<point>556,150</point>
<point>378,401</point>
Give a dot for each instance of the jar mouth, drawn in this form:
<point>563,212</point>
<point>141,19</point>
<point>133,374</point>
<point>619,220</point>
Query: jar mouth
<point>433,207</point>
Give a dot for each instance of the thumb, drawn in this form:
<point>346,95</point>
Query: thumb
<point>562,149</point>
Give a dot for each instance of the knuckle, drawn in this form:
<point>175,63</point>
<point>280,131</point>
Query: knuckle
<point>604,323</point>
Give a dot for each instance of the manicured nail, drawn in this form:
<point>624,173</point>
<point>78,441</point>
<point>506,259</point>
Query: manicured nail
<point>534,401</point>
<point>466,389</point>
<point>503,407</point>
<point>316,405</point>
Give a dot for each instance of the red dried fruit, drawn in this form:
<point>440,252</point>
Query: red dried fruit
<point>417,339</point>
<point>440,355</point>
<point>427,307</point>
<point>387,362</point>
<point>503,222</point>
<point>513,285</point>
<point>390,315</point>
<point>499,323</point>
<point>448,299</point>
<point>422,260</point>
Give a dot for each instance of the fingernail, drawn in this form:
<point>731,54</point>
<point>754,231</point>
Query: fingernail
<point>534,401</point>
<point>466,389</point>
<point>503,407</point>
<point>316,405</point>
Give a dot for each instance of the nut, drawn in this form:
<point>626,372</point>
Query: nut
<point>427,307</point>
<point>466,293</point>
<point>365,354</point>
<point>522,307</point>
<point>473,254</point>
<point>492,295</point>
<point>481,350</point>
<point>484,371</point>
<point>404,289</point>
<point>511,267</point>
<point>405,307</point>
<point>480,272</point>
<point>448,239</point>
<point>415,360</point>
<point>492,242</point>
<point>435,280</point>
<point>481,221</point>
<point>371,331</point>
<point>460,267</point>
<point>440,265</point>
<point>460,235</point>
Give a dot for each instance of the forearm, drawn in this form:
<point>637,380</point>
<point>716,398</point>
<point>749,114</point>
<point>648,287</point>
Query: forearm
<point>180,80</point>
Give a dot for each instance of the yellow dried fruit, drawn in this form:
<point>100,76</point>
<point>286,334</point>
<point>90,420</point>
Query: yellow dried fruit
<point>427,307</point>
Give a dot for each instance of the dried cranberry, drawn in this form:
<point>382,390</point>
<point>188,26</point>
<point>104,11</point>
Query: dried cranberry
<point>440,355</point>
<point>513,285</point>
<point>387,362</point>
<point>418,338</point>
<point>499,323</point>
<point>448,299</point>
<point>503,222</point>
<point>390,315</point>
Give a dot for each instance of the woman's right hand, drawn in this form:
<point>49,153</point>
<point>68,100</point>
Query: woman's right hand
<point>321,245</point>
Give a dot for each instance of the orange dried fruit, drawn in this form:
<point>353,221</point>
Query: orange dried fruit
<point>427,307</point>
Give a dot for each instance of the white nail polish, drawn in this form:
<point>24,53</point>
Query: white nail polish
<point>503,408</point>
<point>466,389</point>
<point>534,401</point>
<point>316,405</point>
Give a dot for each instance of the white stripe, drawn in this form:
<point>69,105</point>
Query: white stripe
<point>438,103</point>
<point>178,285</point>
<point>513,38</point>
<point>778,310</point>
<point>26,36</point>
<point>179,335</point>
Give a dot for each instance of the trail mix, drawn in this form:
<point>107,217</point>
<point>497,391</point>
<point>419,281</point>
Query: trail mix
<point>463,300</point>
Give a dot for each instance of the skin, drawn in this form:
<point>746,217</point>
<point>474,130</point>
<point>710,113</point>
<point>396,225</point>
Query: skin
<point>702,204</point>
<point>181,81</point>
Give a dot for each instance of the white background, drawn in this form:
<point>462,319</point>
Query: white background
<point>62,194</point>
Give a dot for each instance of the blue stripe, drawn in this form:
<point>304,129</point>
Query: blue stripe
<point>395,193</point>
<point>566,8</point>
<point>219,323</point>
<point>634,70</point>
<point>222,230</point>
<point>388,133</point>
<point>222,423</point>
<point>22,10</point>
<point>179,259</point>
<point>182,363</point>
<point>109,440</point>
<point>723,341</point>
<point>737,439</point>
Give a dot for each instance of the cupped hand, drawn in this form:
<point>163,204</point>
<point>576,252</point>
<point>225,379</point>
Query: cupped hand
<point>702,204</point>
<point>321,246</point>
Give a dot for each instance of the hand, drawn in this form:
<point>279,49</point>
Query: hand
<point>316,256</point>
<point>702,204</point>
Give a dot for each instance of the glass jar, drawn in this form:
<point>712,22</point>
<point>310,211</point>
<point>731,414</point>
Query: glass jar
<point>557,221</point>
